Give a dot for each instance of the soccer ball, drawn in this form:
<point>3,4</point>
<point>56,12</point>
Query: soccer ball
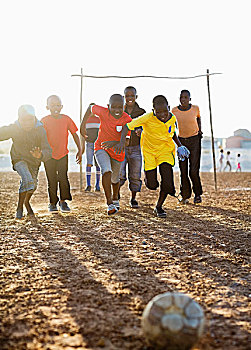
<point>172,321</point>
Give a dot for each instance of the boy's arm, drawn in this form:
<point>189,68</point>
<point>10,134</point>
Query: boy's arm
<point>199,125</point>
<point>88,113</point>
<point>77,142</point>
<point>176,140</point>
<point>6,132</point>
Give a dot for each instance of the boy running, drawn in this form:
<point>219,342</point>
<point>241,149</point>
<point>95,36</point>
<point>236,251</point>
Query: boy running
<point>132,152</point>
<point>112,120</point>
<point>57,127</point>
<point>190,135</point>
<point>30,146</point>
<point>158,148</point>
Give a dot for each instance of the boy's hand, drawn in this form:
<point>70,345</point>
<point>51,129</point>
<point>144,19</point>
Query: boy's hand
<point>183,153</point>
<point>138,132</point>
<point>36,152</point>
<point>116,145</point>
<point>119,148</point>
<point>79,157</point>
<point>85,136</point>
<point>109,144</point>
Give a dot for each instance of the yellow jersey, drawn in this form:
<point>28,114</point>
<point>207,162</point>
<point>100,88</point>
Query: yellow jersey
<point>156,139</point>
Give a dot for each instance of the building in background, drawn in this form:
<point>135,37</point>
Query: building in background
<point>241,139</point>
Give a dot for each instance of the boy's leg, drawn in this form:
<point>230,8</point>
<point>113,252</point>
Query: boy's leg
<point>167,183</point>
<point>51,174</point>
<point>89,164</point>
<point>104,162</point>
<point>64,185</point>
<point>134,173</point>
<point>97,186</point>
<point>34,173</point>
<point>26,184</point>
<point>122,175</point>
<point>106,183</point>
<point>194,171</point>
<point>116,169</point>
<point>185,185</point>
<point>151,180</point>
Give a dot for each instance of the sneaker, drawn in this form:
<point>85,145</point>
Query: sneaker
<point>64,207</point>
<point>97,189</point>
<point>19,214</point>
<point>197,199</point>
<point>88,189</point>
<point>116,203</point>
<point>160,212</point>
<point>184,201</point>
<point>53,208</point>
<point>111,209</point>
<point>134,203</point>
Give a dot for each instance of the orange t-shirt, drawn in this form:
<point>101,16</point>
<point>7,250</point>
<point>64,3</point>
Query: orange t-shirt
<point>57,130</point>
<point>187,121</point>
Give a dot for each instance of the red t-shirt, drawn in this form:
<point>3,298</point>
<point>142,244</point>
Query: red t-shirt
<point>57,130</point>
<point>110,129</point>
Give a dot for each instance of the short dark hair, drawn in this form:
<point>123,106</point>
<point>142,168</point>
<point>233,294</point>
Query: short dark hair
<point>159,100</point>
<point>186,92</point>
<point>116,97</point>
<point>131,88</point>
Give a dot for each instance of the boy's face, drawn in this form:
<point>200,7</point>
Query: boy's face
<point>116,107</point>
<point>27,122</point>
<point>161,112</point>
<point>54,105</point>
<point>185,99</point>
<point>130,97</point>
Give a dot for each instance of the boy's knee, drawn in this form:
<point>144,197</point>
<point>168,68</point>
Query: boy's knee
<point>151,185</point>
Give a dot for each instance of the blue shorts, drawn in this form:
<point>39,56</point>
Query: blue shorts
<point>28,175</point>
<point>108,164</point>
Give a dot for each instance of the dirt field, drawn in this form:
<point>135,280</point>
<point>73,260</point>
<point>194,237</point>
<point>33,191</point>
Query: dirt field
<point>81,280</point>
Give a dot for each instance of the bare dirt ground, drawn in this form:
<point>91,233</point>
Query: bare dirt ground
<point>81,280</point>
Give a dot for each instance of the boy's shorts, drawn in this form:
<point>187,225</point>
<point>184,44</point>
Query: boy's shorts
<point>107,164</point>
<point>28,175</point>
<point>151,161</point>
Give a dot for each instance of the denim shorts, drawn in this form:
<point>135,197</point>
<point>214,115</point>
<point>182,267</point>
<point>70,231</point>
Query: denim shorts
<point>28,175</point>
<point>107,164</point>
<point>89,153</point>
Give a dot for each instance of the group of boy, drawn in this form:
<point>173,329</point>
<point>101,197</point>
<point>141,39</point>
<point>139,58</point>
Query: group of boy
<point>116,135</point>
<point>126,130</point>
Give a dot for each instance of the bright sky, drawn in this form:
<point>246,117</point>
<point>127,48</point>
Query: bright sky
<point>45,41</point>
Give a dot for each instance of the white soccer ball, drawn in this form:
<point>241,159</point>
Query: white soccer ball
<point>173,321</point>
